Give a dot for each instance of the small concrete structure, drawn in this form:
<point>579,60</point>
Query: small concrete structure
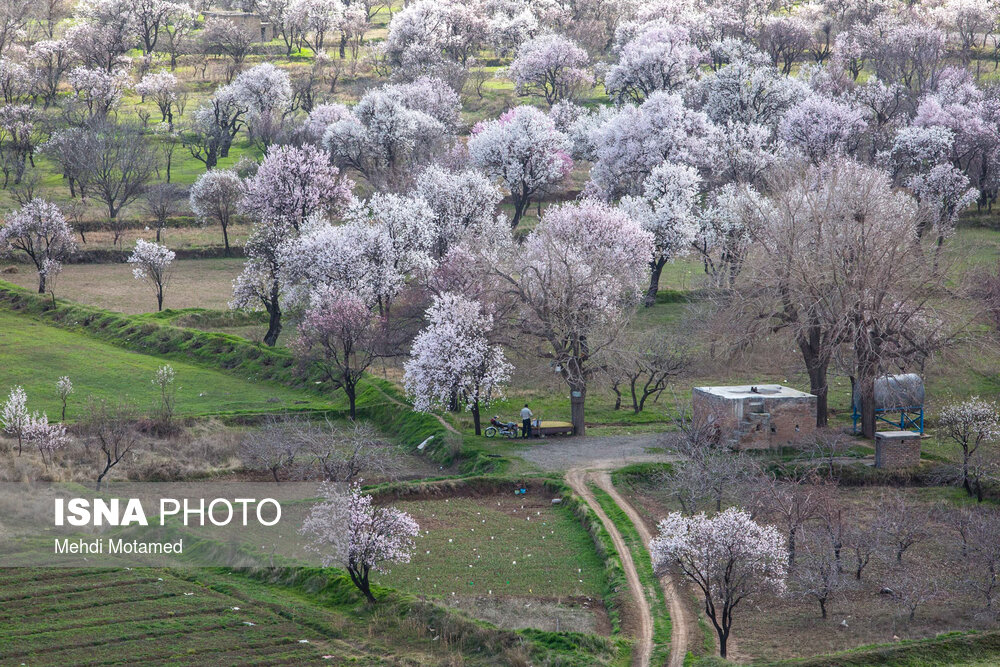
<point>258,29</point>
<point>897,449</point>
<point>756,416</point>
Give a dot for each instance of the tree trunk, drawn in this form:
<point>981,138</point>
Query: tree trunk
<point>273,325</point>
<point>352,398</point>
<point>578,394</point>
<point>159,299</point>
<point>656,268</point>
<point>822,607</point>
<point>41,283</point>
<point>225,239</point>
<point>868,408</point>
<point>475,417</point>
<point>520,206</point>
<point>817,366</point>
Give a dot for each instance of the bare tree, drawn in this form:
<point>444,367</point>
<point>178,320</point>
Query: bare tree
<point>342,454</point>
<point>817,574</point>
<point>273,447</point>
<point>162,201</point>
<point>912,589</point>
<point>793,498</point>
<point>865,543</point>
<point>111,424</point>
<point>124,162</point>
<point>901,522</point>
<point>645,364</point>
<point>980,533</point>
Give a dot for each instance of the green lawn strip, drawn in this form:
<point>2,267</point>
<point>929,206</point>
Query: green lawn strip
<point>271,372</point>
<point>644,568</point>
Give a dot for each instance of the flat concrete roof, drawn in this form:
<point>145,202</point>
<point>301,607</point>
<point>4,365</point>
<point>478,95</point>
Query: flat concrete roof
<point>897,435</point>
<point>763,391</point>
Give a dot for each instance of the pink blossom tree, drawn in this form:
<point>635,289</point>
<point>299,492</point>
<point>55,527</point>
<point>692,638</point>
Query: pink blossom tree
<point>39,230</point>
<point>729,556</point>
<point>667,209</point>
<point>549,65</point>
<point>453,359</point>
<point>353,532</point>
<point>579,276</point>
<point>523,150</point>
<point>820,127</point>
<point>339,335</point>
<point>152,262</point>
<point>293,183</point>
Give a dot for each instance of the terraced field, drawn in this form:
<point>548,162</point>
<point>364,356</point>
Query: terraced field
<point>151,616</point>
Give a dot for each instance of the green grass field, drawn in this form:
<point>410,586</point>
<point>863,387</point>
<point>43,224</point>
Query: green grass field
<point>35,355</point>
<point>499,545</point>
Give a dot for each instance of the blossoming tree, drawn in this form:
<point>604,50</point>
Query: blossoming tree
<point>352,531</point>
<point>339,334</point>
<point>152,262</point>
<point>39,230</point>
<point>729,556</point>
<point>576,282</point>
<point>453,360</point>
<point>524,151</point>
<point>972,424</point>
<point>14,415</point>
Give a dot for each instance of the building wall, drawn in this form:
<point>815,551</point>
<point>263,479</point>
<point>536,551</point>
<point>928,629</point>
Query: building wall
<point>760,422</point>
<point>897,452</point>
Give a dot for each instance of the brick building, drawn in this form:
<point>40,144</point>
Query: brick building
<point>756,417</point>
<point>897,449</point>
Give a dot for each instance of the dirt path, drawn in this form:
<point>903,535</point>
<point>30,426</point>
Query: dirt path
<point>681,622</point>
<point>577,480</point>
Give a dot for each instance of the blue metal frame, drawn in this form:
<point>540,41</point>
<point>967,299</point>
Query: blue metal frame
<point>910,419</point>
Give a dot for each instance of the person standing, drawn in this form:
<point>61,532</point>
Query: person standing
<point>526,416</point>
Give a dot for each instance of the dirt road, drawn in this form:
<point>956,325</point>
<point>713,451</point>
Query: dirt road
<point>577,480</point>
<point>680,620</point>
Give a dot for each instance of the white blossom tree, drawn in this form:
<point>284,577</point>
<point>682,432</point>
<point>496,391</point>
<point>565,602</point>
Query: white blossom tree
<point>820,127</point>
<point>629,143</point>
<point>550,65</point>
<point>47,437</point>
<point>350,530</point>
<point>14,415</point>
<point>161,87</point>
<point>64,386</point>
<point>730,557</point>
<point>464,204</point>
<point>668,210</point>
<point>524,151</point>
<point>152,262</point>
<point>453,360</point>
<point>659,56</point>
<point>971,424</point>
<point>39,230</point>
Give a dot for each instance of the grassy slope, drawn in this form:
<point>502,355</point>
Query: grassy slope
<point>35,355</point>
